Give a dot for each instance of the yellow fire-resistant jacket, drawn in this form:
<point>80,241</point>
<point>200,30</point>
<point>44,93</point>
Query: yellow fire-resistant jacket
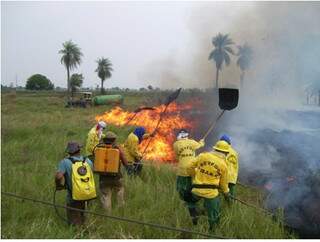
<point>131,149</point>
<point>92,141</point>
<point>185,154</point>
<point>233,166</point>
<point>210,169</point>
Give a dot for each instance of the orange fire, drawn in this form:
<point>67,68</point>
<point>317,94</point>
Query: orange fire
<point>160,147</point>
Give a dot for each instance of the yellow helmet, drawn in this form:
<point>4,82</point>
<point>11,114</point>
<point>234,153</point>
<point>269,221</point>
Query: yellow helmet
<point>222,145</point>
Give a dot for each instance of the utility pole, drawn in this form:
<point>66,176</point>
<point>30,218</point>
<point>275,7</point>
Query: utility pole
<point>16,82</point>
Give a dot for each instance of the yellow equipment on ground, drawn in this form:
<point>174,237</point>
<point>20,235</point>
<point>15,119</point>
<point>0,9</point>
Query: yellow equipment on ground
<point>106,160</point>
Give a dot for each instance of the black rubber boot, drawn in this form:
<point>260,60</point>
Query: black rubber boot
<point>194,215</point>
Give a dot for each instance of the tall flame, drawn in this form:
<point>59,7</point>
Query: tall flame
<point>160,147</point>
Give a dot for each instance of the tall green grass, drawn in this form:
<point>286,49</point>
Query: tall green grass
<point>35,130</point>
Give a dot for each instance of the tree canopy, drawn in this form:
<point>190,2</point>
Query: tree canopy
<point>245,57</point>
<point>71,57</point>
<point>76,81</point>
<point>39,82</point>
<point>220,53</point>
<point>104,70</point>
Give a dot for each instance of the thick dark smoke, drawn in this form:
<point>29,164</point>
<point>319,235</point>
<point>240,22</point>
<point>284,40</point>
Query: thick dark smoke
<point>277,137</point>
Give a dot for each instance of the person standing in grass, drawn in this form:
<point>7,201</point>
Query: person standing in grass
<point>65,178</point>
<point>131,149</point>
<point>185,153</point>
<point>210,173</point>
<point>232,161</point>
<point>109,182</point>
<point>94,136</point>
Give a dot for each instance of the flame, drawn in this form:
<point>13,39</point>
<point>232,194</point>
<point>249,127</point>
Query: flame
<point>160,147</point>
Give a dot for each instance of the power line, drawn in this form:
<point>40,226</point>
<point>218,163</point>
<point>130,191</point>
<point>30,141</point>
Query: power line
<point>159,226</point>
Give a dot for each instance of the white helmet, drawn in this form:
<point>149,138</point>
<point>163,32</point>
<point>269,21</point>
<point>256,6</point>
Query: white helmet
<point>182,134</point>
<point>102,124</point>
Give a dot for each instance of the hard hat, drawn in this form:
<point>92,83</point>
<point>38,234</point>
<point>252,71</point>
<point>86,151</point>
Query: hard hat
<point>109,138</point>
<point>110,135</point>
<point>73,147</point>
<point>222,145</point>
<point>182,134</point>
<point>139,132</point>
<point>102,124</point>
<point>226,138</point>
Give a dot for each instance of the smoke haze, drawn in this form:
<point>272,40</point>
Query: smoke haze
<point>276,135</point>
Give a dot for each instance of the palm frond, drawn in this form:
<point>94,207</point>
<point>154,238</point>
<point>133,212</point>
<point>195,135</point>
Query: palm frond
<point>104,68</point>
<point>229,49</point>
<point>71,55</point>
<point>226,58</point>
<point>245,56</point>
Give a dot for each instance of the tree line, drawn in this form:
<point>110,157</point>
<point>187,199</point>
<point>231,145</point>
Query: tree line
<point>71,59</point>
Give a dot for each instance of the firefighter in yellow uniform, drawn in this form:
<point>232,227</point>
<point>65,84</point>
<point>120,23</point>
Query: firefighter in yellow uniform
<point>94,136</point>
<point>233,166</point>
<point>185,153</point>
<point>210,174</point>
<point>131,150</point>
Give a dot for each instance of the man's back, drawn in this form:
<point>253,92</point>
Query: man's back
<point>210,169</point>
<point>65,166</point>
<point>185,154</point>
<point>92,141</point>
<point>131,148</point>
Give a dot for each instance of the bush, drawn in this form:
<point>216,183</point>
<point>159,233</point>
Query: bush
<point>39,82</point>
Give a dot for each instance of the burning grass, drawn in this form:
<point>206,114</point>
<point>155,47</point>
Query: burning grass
<point>160,148</point>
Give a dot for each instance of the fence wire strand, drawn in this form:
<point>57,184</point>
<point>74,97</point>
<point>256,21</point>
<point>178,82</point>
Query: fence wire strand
<point>129,220</point>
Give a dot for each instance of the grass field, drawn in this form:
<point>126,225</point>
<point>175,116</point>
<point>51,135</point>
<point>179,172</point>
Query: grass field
<point>35,129</point>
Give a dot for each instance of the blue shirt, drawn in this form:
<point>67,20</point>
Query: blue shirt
<point>65,167</point>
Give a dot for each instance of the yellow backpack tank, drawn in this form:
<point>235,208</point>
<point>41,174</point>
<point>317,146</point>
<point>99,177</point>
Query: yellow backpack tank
<point>106,160</point>
<point>83,186</point>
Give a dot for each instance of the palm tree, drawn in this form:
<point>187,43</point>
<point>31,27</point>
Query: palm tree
<point>104,70</point>
<point>244,59</point>
<point>221,52</point>
<point>71,58</point>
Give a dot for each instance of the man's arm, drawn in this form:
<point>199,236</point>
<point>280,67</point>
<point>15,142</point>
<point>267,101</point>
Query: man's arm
<point>122,156</point>
<point>191,169</point>
<point>59,176</point>
<point>59,180</point>
<point>196,145</point>
<point>224,179</point>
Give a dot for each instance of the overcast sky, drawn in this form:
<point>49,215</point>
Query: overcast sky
<point>142,39</point>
